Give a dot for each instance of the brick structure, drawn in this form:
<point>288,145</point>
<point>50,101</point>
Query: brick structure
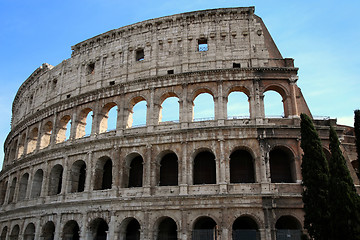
<point>219,178</point>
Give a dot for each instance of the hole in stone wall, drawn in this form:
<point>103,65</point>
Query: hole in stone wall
<point>68,96</point>
<point>140,56</point>
<point>170,71</point>
<point>236,65</point>
<point>112,83</point>
<point>90,68</point>
<point>203,45</point>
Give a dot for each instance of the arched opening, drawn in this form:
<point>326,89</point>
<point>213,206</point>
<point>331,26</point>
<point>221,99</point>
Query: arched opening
<point>23,186</point>
<point>136,172</point>
<point>71,231</point>
<point>14,235</point>
<point>63,133</point>
<point>48,231</point>
<point>4,233</point>
<point>137,114</point>
<point>167,230</point>
<point>103,174</point>
<point>109,117</point>
<point>205,228</point>
<point>245,228</point>
<point>46,135</point>
<point>84,123</point>
<point>32,140</point>
<point>169,170</point>
<point>21,146</point>
<point>169,110</point>
<point>132,231</point>
<point>355,165</point>
<point>281,164</point>
<point>288,227</point>
<point>238,105</point>
<point>77,176</point>
<point>241,167</point>
<point>12,154</point>
<point>55,182</point>
<point>204,171</point>
<point>4,185</point>
<point>12,190</point>
<point>29,233</point>
<point>273,104</point>
<point>99,229</point>
<point>203,107</point>
<point>37,184</point>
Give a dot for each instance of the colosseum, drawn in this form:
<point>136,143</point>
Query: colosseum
<point>221,177</point>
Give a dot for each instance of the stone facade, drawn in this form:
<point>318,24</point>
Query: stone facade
<point>183,179</point>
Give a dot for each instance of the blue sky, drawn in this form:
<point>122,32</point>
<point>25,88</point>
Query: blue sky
<point>322,36</point>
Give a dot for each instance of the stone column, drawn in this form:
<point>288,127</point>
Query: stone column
<point>185,112</point>
<point>58,228</point>
<point>54,130</point>
<point>295,111</point>
<point>117,173</point>
<point>183,162</point>
<point>147,171</point>
<point>29,184</point>
<point>74,125</point>
<point>150,113</point>
<point>89,172</point>
<point>258,111</point>
<point>221,169</point>
<point>66,181</point>
<point>220,108</point>
<point>40,131</point>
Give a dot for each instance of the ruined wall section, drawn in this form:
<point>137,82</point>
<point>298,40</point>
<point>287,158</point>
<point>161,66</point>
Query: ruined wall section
<point>169,44</point>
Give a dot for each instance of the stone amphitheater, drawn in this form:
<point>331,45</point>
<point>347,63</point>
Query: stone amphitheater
<point>216,178</point>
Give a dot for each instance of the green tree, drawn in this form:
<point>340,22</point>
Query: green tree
<point>315,173</point>
<point>343,199</point>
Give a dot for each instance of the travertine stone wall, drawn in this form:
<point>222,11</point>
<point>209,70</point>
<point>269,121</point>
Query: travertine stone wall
<point>57,187</point>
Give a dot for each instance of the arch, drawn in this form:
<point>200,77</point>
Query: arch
<point>98,229</point>
<point>37,183</point>
<point>12,190</point>
<point>169,108</point>
<point>169,170</point>
<point>203,106</point>
<point>29,233</point>
<point>12,154</point>
<point>108,117</point>
<point>46,135</point>
<point>64,128</point>
<point>3,188</point>
<point>14,235</point>
<point>130,229</point>
<point>204,171</point>
<point>103,174</point>
<point>137,112</point>
<point>55,181</point>
<point>135,163</point>
<point>4,233</point>
<point>288,227</point>
<point>77,176</point>
<point>238,105</point>
<point>166,229</point>
<point>281,165</point>
<point>32,140</point>
<point>84,123</point>
<point>245,227</point>
<point>242,167</point>
<point>21,145</point>
<point>355,165</point>
<point>274,103</point>
<point>48,231</point>
<point>23,186</point>
<point>71,231</point>
<point>205,228</point>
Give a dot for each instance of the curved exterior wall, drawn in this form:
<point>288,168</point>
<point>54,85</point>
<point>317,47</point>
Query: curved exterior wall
<point>102,183</point>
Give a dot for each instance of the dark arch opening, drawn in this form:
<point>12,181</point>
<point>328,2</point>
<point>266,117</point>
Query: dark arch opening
<point>15,233</point>
<point>136,172</point>
<point>288,227</point>
<point>4,233</point>
<point>133,230</point>
<point>12,190</point>
<point>29,233</point>
<point>37,183</point>
<point>245,228</point>
<point>99,229</point>
<point>355,165</point>
<point>78,175</point>
<point>241,167</point>
<point>204,168</point>
<point>48,231</point>
<point>107,175</point>
<point>280,166</point>
<point>23,186</point>
<point>55,182</point>
<point>4,185</point>
<point>169,170</point>
<point>167,230</point>
<point>103,174</point>
<point>71,231</point>
<point>205,228</point>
